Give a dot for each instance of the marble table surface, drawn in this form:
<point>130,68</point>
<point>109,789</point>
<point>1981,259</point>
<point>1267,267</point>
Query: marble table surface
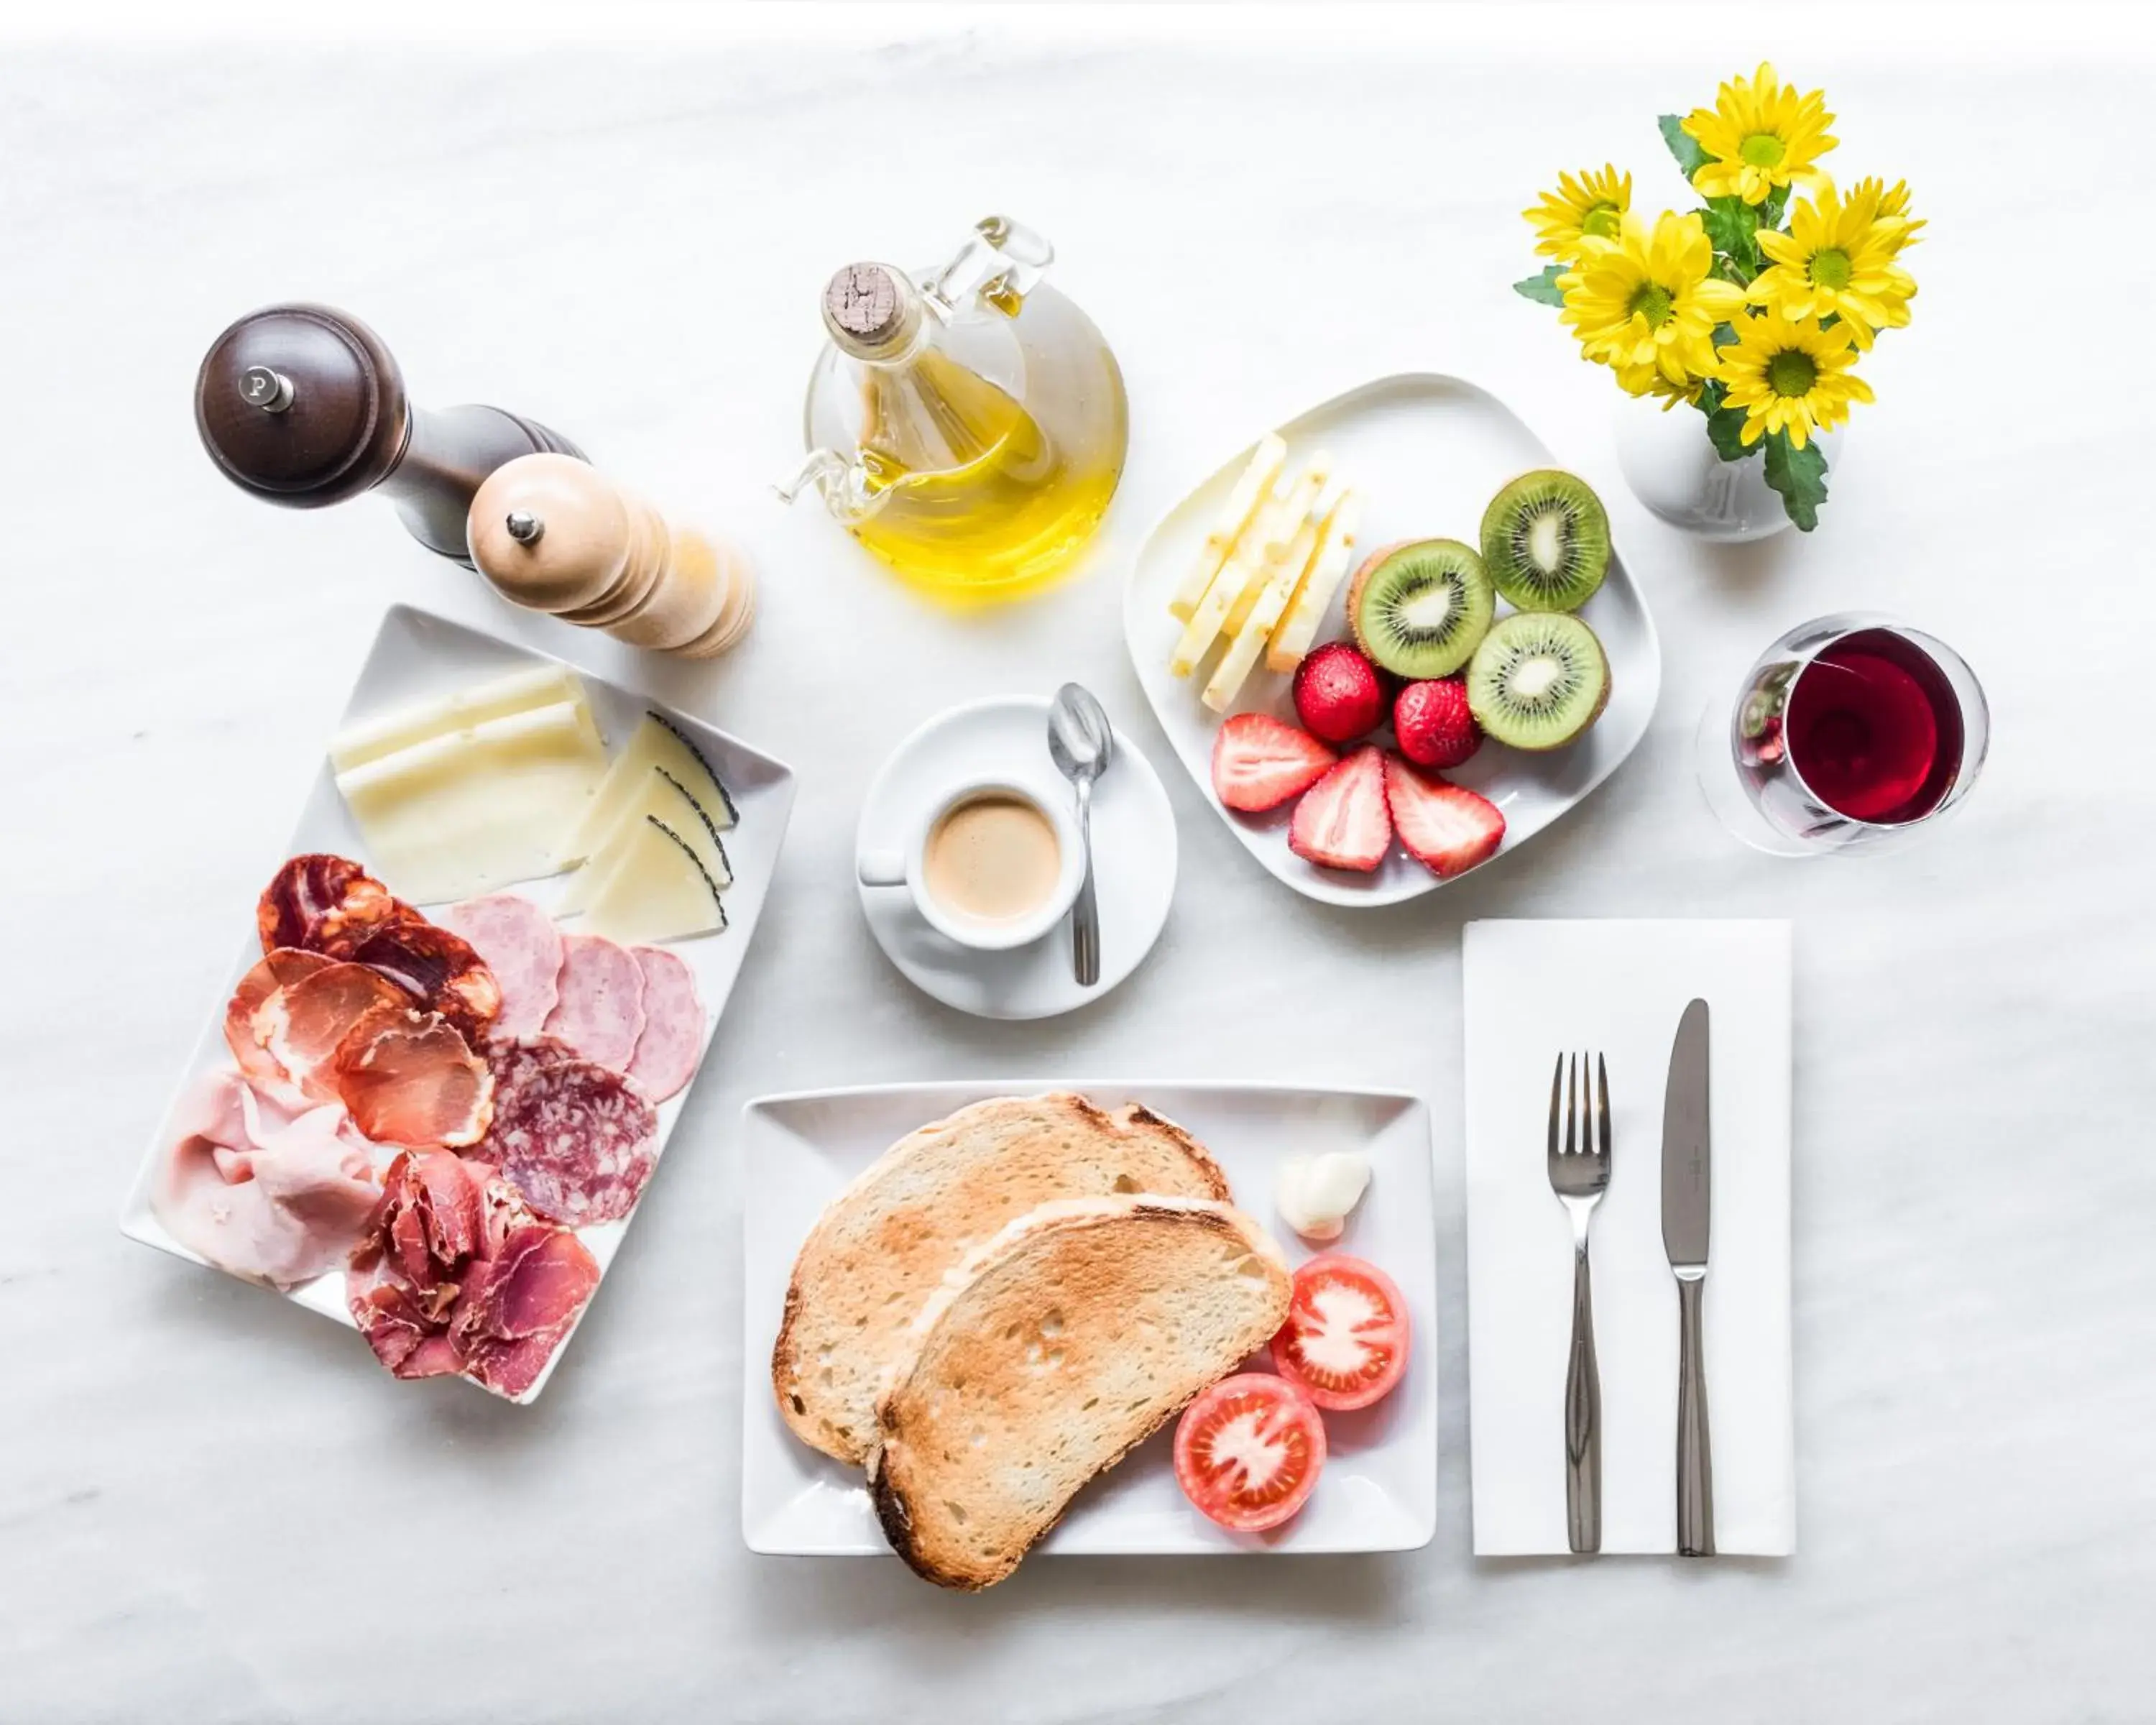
<point>211,1509</point>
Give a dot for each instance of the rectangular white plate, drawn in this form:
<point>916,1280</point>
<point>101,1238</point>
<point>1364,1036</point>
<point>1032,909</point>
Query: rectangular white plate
<point>1379,1491</point>
<point>416,655</point>
<point>1427,453</point>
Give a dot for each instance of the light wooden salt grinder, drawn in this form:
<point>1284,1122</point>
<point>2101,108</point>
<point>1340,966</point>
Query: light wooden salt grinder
<point>558,535</point>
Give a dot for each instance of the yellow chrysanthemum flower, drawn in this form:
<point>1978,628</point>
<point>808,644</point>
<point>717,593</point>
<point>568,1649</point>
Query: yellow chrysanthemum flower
<point>1791,377</point>
<point>1648,299</point>
<point>1886,201</point>
<point>1838,260</point>
<point>1761,134</point>
<point>1648,382</point>
<point>1591,204</point>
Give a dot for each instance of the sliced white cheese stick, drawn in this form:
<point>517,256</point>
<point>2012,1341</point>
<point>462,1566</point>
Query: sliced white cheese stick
<point>1303,505</point>
<point>1282,576</point>
<point>386,733</point>
<point>1335,556</point>
<point>1252,487</point>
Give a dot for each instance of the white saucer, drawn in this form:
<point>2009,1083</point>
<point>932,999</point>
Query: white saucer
<point>1134,861</point>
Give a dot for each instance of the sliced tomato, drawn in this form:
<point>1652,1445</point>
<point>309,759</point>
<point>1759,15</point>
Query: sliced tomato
<point>1248,1451</point>
<point>1346,1337</point>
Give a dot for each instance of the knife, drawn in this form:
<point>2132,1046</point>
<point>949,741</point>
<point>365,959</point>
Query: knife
<point>1687,1210</point>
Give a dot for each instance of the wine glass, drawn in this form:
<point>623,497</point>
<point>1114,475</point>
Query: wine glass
<point>1849,733</point>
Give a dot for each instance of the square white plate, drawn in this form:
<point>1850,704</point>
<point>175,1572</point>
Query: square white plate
<point>1427,453</point>
<point>1379,1491</point>
<point>417,654</point>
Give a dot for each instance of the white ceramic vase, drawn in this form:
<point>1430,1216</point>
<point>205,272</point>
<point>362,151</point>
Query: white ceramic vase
<point>1672,468</point>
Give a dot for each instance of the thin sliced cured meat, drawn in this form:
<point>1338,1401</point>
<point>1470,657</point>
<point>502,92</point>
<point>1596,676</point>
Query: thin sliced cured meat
<point>410,1078</point>
<point>455,1275</point>
<point>325,904</point>
<point>518,943</point>
<point>440,968</point>
<point>276,1198</point>
<point>672,1040</point>
<point>579,1140</point>
<point>301,1024</point>
<point>276,969</point>
<point>600,1010</point>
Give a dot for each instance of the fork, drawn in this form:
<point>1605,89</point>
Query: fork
<point>1579,1174</point>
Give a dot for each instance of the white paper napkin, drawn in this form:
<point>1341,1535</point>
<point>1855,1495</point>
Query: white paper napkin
<point>1533,988</point>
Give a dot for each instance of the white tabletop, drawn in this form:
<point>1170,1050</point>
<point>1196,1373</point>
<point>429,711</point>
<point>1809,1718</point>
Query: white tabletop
<point>213,1507</point>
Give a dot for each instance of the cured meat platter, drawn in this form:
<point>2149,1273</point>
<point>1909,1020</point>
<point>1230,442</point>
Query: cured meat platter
<point>468,1006</point>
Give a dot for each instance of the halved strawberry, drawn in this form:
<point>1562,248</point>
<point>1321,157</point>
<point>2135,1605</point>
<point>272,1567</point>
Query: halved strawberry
<point>1341,822</point>
<point>1444,825</point>
<point>1259,763</point>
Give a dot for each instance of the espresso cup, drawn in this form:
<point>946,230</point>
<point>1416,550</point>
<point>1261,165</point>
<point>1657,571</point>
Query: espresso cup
<point>975,865</point>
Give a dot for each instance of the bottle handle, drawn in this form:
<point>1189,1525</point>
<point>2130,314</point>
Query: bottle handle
<point>1002,261</point>
<point>845,485</point>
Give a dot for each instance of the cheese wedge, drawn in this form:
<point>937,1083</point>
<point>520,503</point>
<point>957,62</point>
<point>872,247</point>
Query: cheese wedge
<point>470,810</point>
<point>520,691</point>
<point>654,889</point>
<point>654,744</point>
<point>1301,505</point>
<point>1283,576</point>
<point>663,798</point>
<point>1329,568</point>
<point>1251,490</point>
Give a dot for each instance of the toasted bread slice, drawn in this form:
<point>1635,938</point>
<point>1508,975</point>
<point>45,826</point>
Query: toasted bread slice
<point>1078,1331</point>
<point>888,1240</point>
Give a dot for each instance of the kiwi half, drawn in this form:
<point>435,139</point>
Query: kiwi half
<point>1419,608</point>
<point>1546,541</point>
<point>1538,681</point>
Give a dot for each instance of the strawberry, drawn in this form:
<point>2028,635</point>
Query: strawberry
<point>1341,821</point>
<point>1338,696</point>
<point>1444,825</point>
<point>1433,724</point>
<point>1259,763</point>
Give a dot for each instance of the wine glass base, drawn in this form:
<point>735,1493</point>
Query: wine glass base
<point>1724,793</point>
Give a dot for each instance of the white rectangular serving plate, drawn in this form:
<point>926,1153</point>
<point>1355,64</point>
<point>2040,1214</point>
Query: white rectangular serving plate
<point>1378,1490</point>
<point>417,655</point>
<point>1427,453</point>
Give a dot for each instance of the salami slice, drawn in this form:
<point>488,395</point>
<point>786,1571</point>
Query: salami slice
<point>672,1040</point>
<point>599,1012</point>
<point>326,904</point>
<point>577,1139</point>
<point>518,943</point>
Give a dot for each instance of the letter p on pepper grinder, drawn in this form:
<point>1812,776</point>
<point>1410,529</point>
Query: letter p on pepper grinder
<point>556,534</point>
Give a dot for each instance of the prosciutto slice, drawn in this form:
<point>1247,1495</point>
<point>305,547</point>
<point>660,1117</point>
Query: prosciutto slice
<point>300,1025</point>
<point>411,1078</point>
<point>273,1197</point>
<point>456,1275</point>
<point>277,969</point>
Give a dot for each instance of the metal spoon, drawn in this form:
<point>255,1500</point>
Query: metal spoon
<point>1081,743</point>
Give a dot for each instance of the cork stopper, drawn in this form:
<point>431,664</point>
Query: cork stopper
<point>871,308</point>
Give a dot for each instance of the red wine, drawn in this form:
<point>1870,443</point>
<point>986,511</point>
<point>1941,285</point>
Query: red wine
<point>1874,729</point>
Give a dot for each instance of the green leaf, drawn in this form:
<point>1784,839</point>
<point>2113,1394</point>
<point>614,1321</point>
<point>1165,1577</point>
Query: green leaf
<point>1732,226</point>
<point>1543,289</point>
<point>1683,144</point>
<point>1799,476</point>
<point>1770,211</point>
<point>1725,430</point>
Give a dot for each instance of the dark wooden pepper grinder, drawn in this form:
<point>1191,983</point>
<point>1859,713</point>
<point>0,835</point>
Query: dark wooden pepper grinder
<point>302,405</point>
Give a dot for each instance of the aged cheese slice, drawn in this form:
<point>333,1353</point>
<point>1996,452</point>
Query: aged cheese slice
<point>1251,490</point>
<point>654,744</point>
<point>519,692</point>
<point>665,799</point>
<point>654,889</point>
<point>476,809</point>
<point>1328,568</point>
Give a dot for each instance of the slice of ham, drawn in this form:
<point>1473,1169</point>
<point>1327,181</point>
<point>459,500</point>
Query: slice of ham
<point>518,943</point>
<point>276,969</point>
<point>599,1012</point>
<point>410,1078</point>
<point>300,1025</point>
<point>671,1043</point>
<point>276,1198</point>
<point>455,1275</point>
